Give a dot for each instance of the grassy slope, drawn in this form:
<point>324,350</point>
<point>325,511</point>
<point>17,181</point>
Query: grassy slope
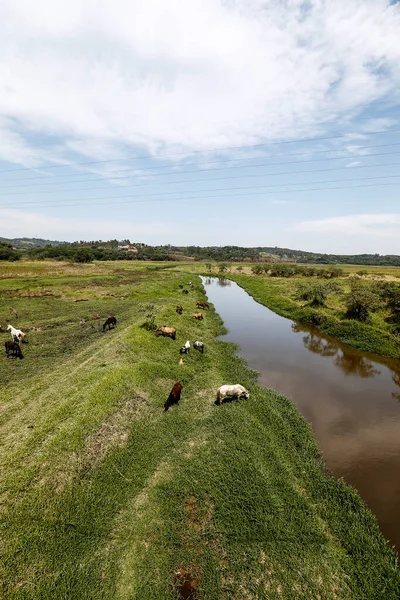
<point>278,295</point>
<point>106,496</point>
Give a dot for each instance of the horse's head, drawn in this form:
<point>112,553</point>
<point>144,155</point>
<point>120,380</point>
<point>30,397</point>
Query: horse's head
<point>9,327</point>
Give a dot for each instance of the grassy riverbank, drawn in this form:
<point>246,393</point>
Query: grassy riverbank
<point>279,294</point>
<point>105,496</point>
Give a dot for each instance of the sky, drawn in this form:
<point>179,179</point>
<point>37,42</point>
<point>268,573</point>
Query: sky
<point>205,122</point>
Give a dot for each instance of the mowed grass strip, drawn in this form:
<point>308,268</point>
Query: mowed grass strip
<point>105,496</point>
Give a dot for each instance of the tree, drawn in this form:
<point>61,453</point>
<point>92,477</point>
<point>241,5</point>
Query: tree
<point>257,269</point>
<point>360,301</point>
<point>7,252</point>
<point>83,255</point>
<point>209,267</point>
<point>316,292</point>
<point>222,267</point>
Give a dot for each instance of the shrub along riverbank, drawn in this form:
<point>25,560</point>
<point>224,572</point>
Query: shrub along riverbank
<point>283,296</point>
<point>106,496</point>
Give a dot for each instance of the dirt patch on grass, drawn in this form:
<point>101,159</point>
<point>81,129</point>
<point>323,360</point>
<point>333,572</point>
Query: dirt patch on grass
<point>184,585</point>
<point>114,432</point>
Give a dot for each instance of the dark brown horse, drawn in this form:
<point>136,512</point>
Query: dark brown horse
<point>111,321</point>
<point>174,396</point>
<point>179,310</point>
<point>14,349</point>
<point>202,305</point>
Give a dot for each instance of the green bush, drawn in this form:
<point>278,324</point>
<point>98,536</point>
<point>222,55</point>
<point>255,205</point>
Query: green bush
<point>315,292</point>
<point>360,301</point>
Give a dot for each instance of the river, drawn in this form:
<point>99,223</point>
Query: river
<point>350,398</point>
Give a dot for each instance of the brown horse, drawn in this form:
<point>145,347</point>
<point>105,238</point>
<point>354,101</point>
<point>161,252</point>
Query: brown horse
<point>111,321</point>
<point>202,305</point>
<point>174,396</point>
<point>179,310</point>
<point>198,316</point>
<point>169,331</point>
<point>14,349</point>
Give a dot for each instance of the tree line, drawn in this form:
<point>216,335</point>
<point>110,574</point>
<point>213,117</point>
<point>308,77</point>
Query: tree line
<point>86,251</point>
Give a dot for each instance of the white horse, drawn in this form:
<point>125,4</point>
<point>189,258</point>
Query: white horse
<point>233,391</point>
<point>16,333</point>
<point>187,345</point>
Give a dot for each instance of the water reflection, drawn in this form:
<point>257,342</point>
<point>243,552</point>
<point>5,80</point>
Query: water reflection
<point>350,361</point>
<point>353,364</point>
<point>351,398</point>
<point>222,282</point>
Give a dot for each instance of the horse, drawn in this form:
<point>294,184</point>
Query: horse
<point>236,390</point>
<point>198,316</point>
<point>16,333</point>
<point>179,310</point>
<point>198,346</point>
<point>166,331</point>
<point>174,396</point>
<point>14,349</point>
<point>183,350</point>
<point>185,291</point>
<point>202,305</point>
<point>110,321</point>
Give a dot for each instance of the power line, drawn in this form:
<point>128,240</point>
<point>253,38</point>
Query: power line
<point>251,175</point>
<point>264,164</point>
<point>55,203</point>
<point>218,196</point>
<point>224,160</point>
<point>156,156</point>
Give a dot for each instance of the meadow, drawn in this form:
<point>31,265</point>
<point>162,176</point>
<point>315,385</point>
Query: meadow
<point>105,496</point>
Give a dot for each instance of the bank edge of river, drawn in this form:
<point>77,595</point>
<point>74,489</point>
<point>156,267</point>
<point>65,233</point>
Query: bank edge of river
<point>353,333</point>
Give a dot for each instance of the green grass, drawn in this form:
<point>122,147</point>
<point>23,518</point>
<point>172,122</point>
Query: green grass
<point>279,295</point>
<point>105,496</point>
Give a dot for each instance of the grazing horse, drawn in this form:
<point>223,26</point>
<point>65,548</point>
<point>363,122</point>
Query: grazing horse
<point>16,333</point>
<point>13,349</point>
<point>236,390</point>
<point>110,321</point>
<point>202,305</point>
<point>174,397</point>
<point>198,346</point>
<point>166,331</point>
<point>198,316</point>
<point>179,310</point>
<point>183,350</point>
<point>185,291</point>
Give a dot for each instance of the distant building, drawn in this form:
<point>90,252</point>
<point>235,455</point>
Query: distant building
<point>128,248</point>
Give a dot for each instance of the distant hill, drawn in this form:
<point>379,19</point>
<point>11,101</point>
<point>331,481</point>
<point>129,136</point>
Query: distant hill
<point>25,243</point>
<point>121,250</point>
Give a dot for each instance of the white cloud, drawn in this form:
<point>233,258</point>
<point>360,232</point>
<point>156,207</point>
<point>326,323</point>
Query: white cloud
<point>183,75</point>
<point>380,225</point>
<point>18,223</point>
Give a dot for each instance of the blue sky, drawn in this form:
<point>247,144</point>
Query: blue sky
<point>245,113</point>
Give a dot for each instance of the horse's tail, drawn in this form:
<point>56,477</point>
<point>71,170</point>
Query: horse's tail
<point>219,397</point>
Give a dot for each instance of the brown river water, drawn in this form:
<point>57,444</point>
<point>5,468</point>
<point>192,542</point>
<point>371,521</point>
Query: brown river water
<point>350,398</point>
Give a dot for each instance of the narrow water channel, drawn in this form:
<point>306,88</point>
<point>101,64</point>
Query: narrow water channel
<point>351,398</point>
